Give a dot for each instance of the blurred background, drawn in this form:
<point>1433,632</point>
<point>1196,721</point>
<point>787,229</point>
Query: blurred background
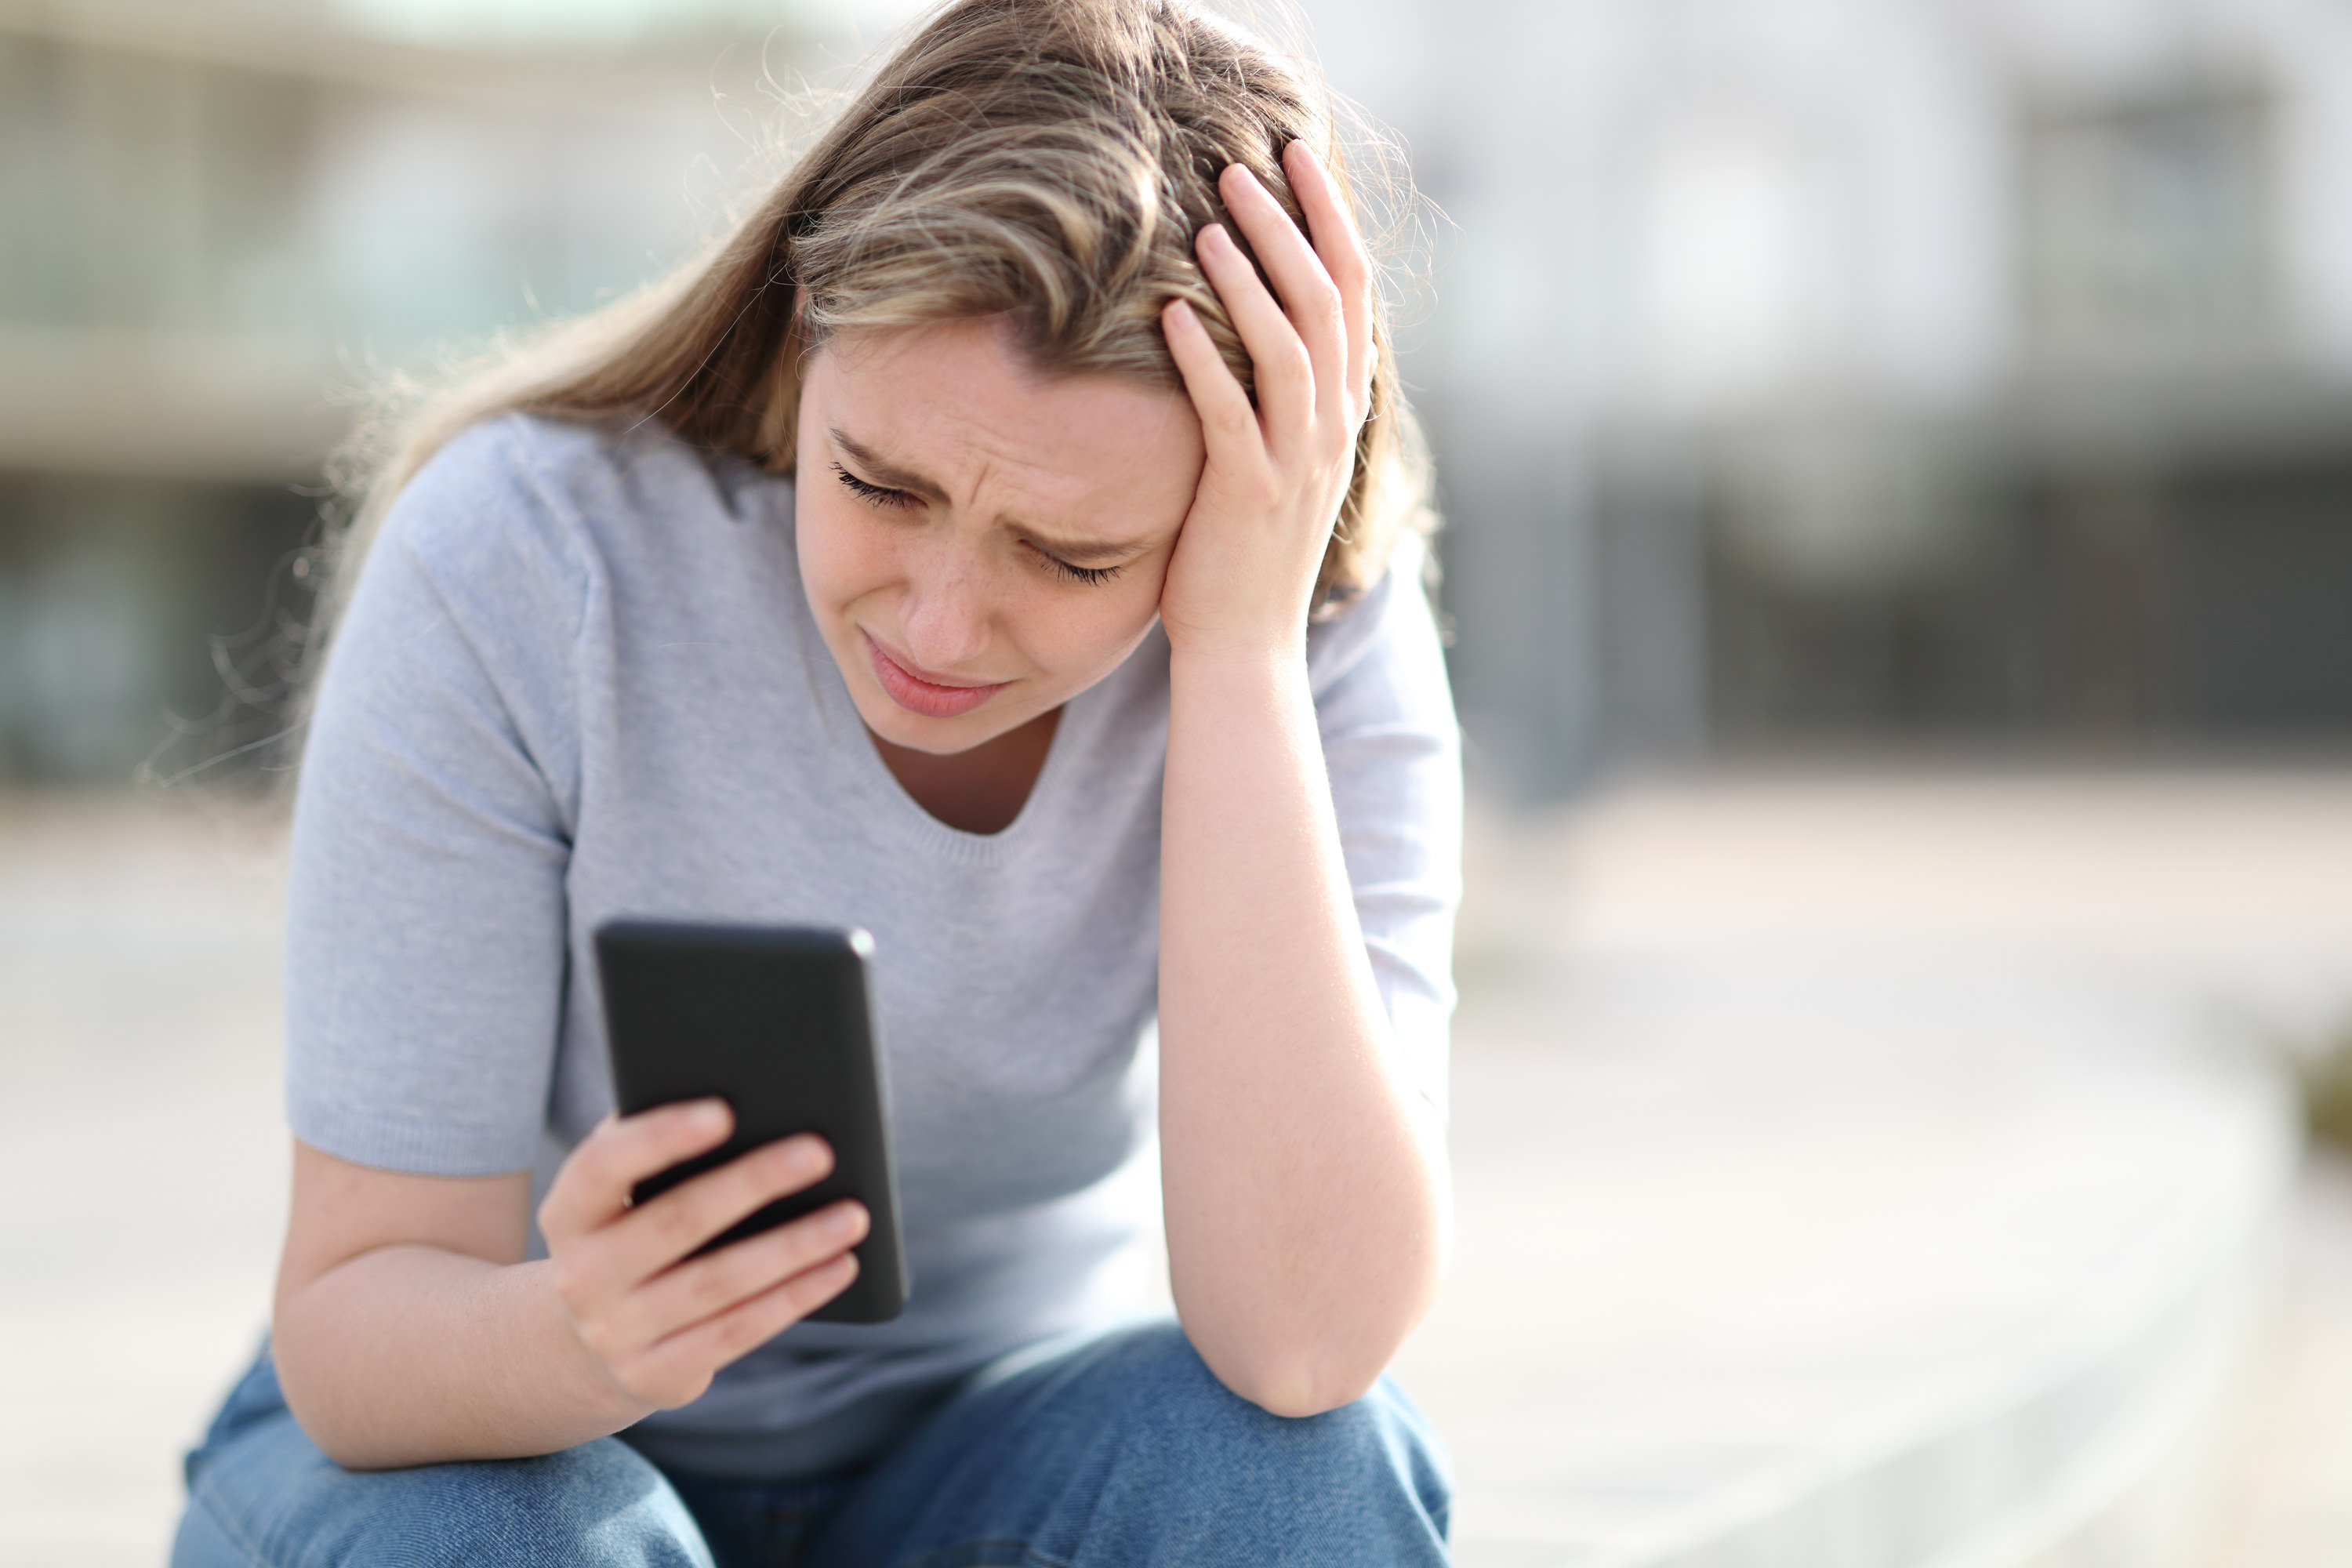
<point>1897,458</point>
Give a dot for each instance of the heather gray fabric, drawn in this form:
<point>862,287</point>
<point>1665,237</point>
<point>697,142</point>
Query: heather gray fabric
<point>580,679</point>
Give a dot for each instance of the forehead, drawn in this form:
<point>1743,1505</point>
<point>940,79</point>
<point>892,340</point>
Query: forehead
<point>961,403</point>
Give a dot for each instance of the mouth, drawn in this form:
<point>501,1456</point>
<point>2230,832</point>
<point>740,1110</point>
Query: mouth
<point>926,694</point>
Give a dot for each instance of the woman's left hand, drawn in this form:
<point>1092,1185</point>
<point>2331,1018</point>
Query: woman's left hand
<point>1245,563</point>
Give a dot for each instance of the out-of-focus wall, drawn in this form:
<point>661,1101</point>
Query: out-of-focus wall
<point>1823,373</point>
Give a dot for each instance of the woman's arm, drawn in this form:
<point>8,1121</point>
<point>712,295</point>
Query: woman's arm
<point>1304,1182</point>
<point>425,974</point>
<point>409,1329</point>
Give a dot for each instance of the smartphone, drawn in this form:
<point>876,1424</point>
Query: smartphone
<point>775,1021</point>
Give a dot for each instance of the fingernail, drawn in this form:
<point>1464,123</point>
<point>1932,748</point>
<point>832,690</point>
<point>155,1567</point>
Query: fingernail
<point>840,1222</point>
<point>1214,236</point>
<point>708,1116</point>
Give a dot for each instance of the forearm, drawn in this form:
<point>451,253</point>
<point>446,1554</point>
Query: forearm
<point>413,1354</point>
<point>1304,1181</point>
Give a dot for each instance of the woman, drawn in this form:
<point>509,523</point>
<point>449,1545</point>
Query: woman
<point>952,553</point>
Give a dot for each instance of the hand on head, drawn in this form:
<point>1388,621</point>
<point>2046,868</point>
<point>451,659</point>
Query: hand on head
<point>1246,566</point>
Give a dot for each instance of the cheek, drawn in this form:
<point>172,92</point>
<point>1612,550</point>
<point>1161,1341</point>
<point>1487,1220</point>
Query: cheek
<point>839,561</point>
<point>1082,635</point>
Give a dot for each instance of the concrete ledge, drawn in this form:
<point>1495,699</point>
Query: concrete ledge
<point>1845,1269</point>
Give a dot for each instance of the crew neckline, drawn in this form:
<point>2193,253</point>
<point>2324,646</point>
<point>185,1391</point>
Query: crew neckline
<point>870,778</point>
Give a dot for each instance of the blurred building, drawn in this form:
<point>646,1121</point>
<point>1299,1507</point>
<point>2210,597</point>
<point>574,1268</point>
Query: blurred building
<point>1859,372</point>
<point>224,223</point>
<point>1803,372</point>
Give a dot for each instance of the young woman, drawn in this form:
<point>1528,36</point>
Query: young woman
<point>1006,543</point>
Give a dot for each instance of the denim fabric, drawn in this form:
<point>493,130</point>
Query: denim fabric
<point>1118,1451</point>
<point>261,1492</point>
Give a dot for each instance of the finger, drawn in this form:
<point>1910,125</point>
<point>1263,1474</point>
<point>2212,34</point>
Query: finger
<point>656,1234</point>
<point>1285,374</point>
<point>716,1341</point>
<point>1311,299</point>
<point>1342,247</point>
<point>593,1188</point>
<point>1229,426</point>
<point>703,1288</point>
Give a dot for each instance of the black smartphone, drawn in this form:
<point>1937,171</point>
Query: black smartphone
<point>774,1020</point>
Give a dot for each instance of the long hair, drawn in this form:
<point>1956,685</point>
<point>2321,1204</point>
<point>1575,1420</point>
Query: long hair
<point>1046,162</point>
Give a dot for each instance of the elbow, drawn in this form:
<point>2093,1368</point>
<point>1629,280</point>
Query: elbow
<point>1309,1394</point>
<point>1302,1381</point>
<point>310,1399</point>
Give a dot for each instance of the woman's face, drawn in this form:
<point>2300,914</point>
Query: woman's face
<point>980,543</point>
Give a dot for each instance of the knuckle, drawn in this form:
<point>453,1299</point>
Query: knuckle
<point>677,1224</point>
<point>607,1346</point>
<point>742,1330</point>
<point>572,1279</point>
<point>711,1284</point>
<point>640,1382</point>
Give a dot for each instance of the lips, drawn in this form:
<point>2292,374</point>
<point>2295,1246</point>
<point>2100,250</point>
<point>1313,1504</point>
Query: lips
<point>919,693</point>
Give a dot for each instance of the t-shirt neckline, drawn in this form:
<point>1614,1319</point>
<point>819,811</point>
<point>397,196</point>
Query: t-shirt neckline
<point>871,778</point>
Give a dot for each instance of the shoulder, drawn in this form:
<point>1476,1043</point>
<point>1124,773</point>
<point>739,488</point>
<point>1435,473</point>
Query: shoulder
<point>522,480</point>
<point>525,502</point>
<point>1391,621</point>
<point>499,496</point>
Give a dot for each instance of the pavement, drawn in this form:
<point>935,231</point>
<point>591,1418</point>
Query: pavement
<point>1804,1128</point>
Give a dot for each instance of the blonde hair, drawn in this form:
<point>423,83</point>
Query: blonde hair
<point>1046,162</point>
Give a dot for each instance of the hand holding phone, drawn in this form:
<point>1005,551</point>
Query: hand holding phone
<point>776,1021</point>
<point>658,1313</point>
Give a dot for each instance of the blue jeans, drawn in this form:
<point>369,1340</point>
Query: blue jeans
<point>1122,1450</point>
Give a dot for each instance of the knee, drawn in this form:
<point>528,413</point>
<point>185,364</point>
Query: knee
<point>601,1503</point>
<point>1380,1442</point>
<point>277,1499</point>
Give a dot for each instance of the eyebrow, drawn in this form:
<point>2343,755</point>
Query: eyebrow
<point>882,471</point>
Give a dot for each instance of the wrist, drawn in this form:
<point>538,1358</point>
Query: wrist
<point>1227,655</point>
<point>590,1384</point>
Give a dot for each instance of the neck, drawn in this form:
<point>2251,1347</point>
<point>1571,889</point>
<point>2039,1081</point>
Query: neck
<point>981,790</point>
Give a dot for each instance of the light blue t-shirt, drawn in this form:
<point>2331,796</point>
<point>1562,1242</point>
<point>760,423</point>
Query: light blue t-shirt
<point>580,679</point>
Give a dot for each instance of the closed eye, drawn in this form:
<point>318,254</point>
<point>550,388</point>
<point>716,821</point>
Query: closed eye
<point>876,495</point>
<point>873,494</point>
<point>1089,575</point>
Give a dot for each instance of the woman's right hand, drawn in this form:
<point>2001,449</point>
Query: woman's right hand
<point>658,1323</point>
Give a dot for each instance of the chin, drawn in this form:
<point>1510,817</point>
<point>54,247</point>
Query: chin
<point>939,737</point>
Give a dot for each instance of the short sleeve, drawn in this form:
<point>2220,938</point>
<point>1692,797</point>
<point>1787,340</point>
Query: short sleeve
<point>426,920</point>
<point>1394,754</point>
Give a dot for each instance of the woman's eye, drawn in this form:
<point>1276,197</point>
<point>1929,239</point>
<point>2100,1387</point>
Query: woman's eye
<point>1076,573</point>
<point>871,494</point>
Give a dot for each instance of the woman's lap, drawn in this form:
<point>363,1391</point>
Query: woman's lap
<point>1123,1449</point>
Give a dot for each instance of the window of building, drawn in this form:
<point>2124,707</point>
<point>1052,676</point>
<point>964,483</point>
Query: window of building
<point>2147,223</point>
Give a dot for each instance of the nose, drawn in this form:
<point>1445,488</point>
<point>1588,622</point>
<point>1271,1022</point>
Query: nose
<point>944,615</point>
